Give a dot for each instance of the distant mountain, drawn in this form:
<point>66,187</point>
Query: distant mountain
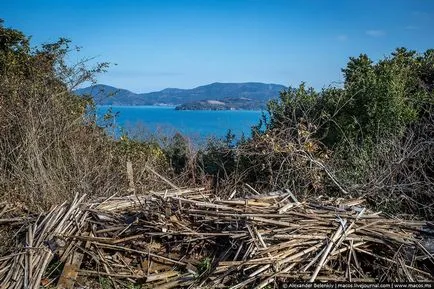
<point>249,95</point>
<point>109,95</point>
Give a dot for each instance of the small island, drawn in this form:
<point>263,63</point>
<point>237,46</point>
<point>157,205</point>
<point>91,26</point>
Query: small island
<point>229,103</point>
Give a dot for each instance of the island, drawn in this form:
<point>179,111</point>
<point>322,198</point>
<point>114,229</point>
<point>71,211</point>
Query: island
<point>229,103</point>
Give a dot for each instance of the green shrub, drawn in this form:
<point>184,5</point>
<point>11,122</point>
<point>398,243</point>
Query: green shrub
<point>372,137</point>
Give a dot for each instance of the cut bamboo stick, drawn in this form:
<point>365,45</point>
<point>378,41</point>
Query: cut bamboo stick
<point>254,241</point>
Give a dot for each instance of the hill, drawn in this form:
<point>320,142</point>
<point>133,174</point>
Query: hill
<point>109,95</point>
<point>250,95</point>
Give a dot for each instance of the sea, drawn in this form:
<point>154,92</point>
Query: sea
<point>142,122</point>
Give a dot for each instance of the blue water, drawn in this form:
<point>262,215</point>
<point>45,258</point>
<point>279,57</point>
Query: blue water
<point>141,121</point>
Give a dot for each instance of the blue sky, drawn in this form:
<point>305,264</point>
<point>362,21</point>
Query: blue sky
<point>186,43</point>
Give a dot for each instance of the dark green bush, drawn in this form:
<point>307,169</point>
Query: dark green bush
<point>372,137</point>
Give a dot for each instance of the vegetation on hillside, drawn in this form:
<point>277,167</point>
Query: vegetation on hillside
<point>50,145</point>
<point>371,137</point>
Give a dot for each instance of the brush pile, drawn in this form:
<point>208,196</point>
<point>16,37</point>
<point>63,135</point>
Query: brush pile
<point>191,238</point>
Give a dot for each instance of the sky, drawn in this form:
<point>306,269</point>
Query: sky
<point>187,43</point>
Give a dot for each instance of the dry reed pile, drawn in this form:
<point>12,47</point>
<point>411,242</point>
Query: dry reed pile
<point>189,237</point>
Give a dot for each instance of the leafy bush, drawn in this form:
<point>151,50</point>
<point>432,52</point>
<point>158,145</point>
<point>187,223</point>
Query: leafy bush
<point>50,145</point>
<point>372,137</point>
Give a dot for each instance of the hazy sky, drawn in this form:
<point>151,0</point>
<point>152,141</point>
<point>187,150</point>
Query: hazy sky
<point>186,43</point>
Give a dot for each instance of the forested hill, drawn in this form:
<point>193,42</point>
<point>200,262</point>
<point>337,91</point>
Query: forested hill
<point>252,95</point>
